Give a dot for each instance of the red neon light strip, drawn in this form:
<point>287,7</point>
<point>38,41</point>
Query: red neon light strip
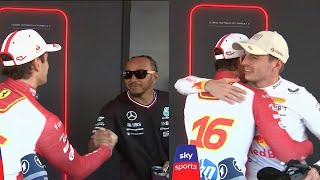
<point>219,6</point>
<point>65,92</point>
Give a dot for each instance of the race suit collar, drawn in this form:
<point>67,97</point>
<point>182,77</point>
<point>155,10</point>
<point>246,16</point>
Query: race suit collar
<point>224,74</point>
<point>273,86</point>
<point>22,87</point>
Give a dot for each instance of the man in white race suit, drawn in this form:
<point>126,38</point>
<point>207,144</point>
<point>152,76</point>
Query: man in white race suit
<point>222,132</point>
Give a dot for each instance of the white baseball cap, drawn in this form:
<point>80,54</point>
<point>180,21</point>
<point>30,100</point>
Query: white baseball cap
<point>24,46</point>
<point>225,46</point>
<point>264,43</point>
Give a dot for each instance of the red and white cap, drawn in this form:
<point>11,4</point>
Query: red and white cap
<point>24,46</point>
<point>225,46</point>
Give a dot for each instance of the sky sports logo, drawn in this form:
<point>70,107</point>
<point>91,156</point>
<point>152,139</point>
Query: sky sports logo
<point>186,164</point>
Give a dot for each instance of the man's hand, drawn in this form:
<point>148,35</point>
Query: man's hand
<point>223,90</point>
<point>104,137</point>
<point>312,175</point>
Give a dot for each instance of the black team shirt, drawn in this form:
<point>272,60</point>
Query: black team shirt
<point>143,135</point>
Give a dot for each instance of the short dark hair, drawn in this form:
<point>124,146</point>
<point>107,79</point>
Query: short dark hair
<point>23,71</point>
<point>225,64</point>
<point>152,61</point>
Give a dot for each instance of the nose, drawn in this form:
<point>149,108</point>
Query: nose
<point>244,60</point>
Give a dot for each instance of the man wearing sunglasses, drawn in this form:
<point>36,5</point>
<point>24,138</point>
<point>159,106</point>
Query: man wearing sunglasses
<point>140,118</point>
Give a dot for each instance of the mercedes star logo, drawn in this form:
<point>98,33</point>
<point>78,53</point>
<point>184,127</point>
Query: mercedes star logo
<point>131,115</point>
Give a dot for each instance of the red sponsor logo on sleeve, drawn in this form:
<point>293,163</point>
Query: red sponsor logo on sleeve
<point>20,58</point>
<point>197,85</point>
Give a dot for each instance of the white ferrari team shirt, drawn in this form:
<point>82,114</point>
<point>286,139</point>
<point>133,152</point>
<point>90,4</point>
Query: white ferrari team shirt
<point>203,116</point>
<point>26,127</point>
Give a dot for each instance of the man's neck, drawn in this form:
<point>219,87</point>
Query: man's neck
<point>145,98</point>
<point>31,82</point>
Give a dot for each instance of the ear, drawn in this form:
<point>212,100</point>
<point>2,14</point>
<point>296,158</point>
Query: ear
<point>155,76</point>
<point>36,64</point>
<point>278,65</point>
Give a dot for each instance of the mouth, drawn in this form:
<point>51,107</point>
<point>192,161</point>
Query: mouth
<point>134,85</point>
<point>247,70</point>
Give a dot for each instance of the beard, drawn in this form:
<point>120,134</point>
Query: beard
<point>136,94</point>
<point>135,89</point>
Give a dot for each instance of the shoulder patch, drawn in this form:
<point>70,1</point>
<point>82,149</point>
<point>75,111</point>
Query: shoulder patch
<point>5,93</point>
<point>8,99</point>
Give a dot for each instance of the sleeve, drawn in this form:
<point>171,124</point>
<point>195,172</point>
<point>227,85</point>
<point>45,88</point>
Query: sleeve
<point>308,107</point>
<point>268,124</point>
<point>190,85</point>
<point>54,145</point>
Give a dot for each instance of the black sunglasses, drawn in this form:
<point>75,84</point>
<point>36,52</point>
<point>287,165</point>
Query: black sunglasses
<point>140,74</point>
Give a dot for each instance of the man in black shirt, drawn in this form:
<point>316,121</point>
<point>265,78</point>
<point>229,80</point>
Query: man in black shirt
<point>140,118</point>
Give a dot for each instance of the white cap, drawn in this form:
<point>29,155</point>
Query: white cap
<point>225,45</point>
<point>24,46</point>
<point>264,43</point>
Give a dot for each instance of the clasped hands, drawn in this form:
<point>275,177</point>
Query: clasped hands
<point>105,137</point>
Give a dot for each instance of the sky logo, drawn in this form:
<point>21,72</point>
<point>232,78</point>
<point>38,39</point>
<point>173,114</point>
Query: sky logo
<point>186,156</point>
<point>186,165</point>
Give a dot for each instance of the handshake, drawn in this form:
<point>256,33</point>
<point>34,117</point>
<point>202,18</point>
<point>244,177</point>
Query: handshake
<point>104,137</point>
